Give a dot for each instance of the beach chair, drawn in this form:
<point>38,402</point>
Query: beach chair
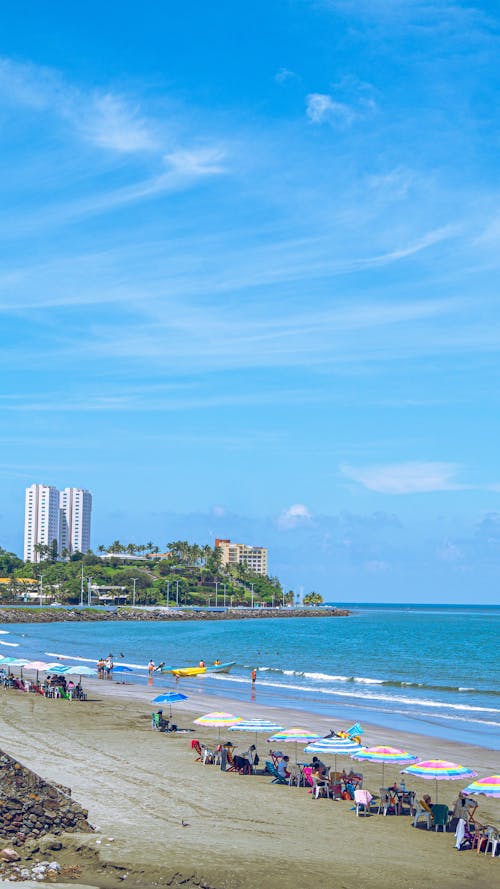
<point>493,840</point>
<point>319,788</point>
<point>231,765</point>
<point>387,801</point>
<point>196,746</point>
<point>440,817</point>
<point>363,799</point>
<point>276,777</point>
<point>295,779</point>
<point>422,811</point>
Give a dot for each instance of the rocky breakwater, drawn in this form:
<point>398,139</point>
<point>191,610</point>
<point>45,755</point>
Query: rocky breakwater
<point>31,807</point>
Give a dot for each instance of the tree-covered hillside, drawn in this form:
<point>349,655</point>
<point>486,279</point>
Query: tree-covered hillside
<point>187,574</point>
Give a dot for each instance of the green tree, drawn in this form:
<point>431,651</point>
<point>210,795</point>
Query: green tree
<point>313,599</point>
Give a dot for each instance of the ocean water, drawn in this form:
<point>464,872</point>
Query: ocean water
<point>433,670</point>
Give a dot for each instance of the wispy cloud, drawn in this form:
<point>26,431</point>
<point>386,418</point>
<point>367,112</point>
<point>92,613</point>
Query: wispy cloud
<point>283,75</point>
<point>322,108</point>
<point>296,515</point>
<point>405,478</point>
<point>104,119</point>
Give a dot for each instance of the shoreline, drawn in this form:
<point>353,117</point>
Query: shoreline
<point>241,832</point>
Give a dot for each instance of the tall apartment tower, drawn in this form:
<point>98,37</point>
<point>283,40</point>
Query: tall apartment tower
<point>41,519</point>
<point>74,524</point>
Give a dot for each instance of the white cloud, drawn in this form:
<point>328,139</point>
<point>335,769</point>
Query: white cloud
<point>218,511</point>
<point>405,478</point>
<point>108,121</point>
<point>321,108</point>
<point>102,118</point>
<point>295,515</point>
<point>283,75</point>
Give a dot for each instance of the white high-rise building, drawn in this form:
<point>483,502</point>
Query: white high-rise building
<point>41,519</point>
<point>74,527</point>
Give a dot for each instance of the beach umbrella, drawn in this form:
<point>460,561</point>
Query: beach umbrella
<point>485,786</point>
<point>334,747</point>
<point>439,770</point>
<point>15,662</point>
<point>120,668</point>
<point>217,719</point>
<point>39,666</point>
<point>383,755</point>
<point>299,735</point>
<point>256,725</point>
<point>170,697</point>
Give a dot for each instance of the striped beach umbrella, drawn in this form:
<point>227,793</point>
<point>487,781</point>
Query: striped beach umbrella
<point>383,755</point>
<point>218,719</point>
<point>439,770</point>
<point>486,786</point>
<point>299,735</point>
<point>256,725</point>
<point>334,747</point>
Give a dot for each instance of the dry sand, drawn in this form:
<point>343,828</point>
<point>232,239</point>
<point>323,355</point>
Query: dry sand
<point>242,832</point>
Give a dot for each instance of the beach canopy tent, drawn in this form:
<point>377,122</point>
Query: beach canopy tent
<point>485,786</point>
<point>217,719</point>
<point>383,755</point>
<point>334,747</point>
<point>299,735</point>
<point>170,697</point>
<point>439,770</point>
<point>256,725</point>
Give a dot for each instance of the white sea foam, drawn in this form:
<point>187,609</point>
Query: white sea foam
<point>10,644</point>
<point>366,681</point>
<point>392,699</point>
<point>4,632</point>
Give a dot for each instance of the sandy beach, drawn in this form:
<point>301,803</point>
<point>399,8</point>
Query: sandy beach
<point>242,832</point>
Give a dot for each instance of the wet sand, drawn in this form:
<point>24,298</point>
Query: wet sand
<point>241,832</point>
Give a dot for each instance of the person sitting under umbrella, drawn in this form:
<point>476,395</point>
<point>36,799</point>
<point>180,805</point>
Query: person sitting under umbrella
<point>160,722</point>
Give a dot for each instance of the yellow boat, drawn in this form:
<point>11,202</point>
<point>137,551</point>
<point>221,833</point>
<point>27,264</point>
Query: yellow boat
<point>188,671</point>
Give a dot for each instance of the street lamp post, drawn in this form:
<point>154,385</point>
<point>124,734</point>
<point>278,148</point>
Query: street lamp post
<point>41,589</point>
<point>133,594</point>
<point>252,593</point>
<point>168,593</point>
<point>177,594</point>
<point>224,595</point>
<point>81,588</point>
<point>216,589</point>
<point>89,592</point>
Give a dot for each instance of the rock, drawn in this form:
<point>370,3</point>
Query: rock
<point>55,846</point>
<point>9,855</point>
<point>54,866</point>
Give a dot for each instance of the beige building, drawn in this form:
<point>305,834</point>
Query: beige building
<point>241,554</point>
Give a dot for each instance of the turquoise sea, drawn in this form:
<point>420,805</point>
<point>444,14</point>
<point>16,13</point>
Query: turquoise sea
<point>428,669</point>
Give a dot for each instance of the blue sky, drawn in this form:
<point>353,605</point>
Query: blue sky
<point>249,281</point>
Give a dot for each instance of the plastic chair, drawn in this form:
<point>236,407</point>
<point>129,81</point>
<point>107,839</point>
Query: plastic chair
<point>363,799</point>
<point>196,746</point>
<point>493,840</point>
<point>422,811</point>
<point>386,802</point>
<point>440,817</point>
<point>319,788</point>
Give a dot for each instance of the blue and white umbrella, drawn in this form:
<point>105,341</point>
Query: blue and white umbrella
<point>170,697</point>
<point>334,747</point>
<point>256,725</point>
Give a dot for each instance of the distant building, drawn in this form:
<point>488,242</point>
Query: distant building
<point>41,519</point>
<point>241,554</point>
<point>56,518</point>
<point>75,506</point>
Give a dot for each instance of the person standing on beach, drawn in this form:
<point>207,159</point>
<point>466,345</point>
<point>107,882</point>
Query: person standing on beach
<point>100,668</point>
<point>109,668</point>
<point>254,675</point>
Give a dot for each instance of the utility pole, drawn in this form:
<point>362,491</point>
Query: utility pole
<point>224,595</point>
<point>252,593</point>
<point>41,589</point>
<point>133,594</point>
<point>177,594</point>
<point>168,593</point>
<point>81,588</point>
<point>216,588</point>
<point>89,592</point>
